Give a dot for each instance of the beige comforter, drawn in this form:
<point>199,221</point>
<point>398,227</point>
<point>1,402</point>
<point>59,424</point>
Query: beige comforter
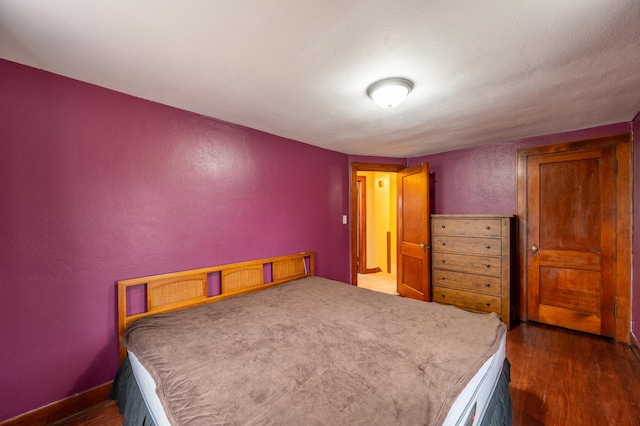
<point>313,352</point>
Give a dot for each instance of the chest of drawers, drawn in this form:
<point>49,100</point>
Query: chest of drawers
<point>472,263</point>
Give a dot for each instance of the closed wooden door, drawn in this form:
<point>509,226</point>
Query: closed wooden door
<point>573,237</point>
<point>413,233</point>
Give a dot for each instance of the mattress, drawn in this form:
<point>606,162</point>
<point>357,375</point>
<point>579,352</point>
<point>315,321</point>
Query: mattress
<point>457,354</point>
<point>468,409</point>
<point>473,401</point>
<point>147,387</point>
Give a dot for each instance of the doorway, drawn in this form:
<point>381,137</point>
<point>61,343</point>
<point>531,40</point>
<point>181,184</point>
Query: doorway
<point>377,231</point>
<point>412,227</point>
<point>574,201</point>
<point>361,257</point>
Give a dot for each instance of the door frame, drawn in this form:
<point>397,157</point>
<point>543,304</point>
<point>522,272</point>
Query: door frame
<point>353,205</point>
<point>361,248</point>
<point>624,189</point>
<point>361,225</point>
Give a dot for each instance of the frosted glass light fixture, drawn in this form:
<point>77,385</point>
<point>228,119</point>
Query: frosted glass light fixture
<point>389,92</point>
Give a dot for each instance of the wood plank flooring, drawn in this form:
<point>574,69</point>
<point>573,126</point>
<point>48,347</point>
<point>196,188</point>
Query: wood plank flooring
<point>105,414</point>
<point>563,377</point>
<point>558,377</point>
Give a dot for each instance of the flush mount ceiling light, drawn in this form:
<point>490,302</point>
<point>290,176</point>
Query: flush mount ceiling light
<point>389,92</point>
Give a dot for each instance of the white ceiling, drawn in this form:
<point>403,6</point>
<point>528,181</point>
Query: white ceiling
<point>484,71</point>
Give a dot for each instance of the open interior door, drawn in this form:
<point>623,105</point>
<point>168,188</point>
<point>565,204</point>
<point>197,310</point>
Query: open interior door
<point>413,233</point>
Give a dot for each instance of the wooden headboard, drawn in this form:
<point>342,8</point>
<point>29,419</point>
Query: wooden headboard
<point>179,290</point>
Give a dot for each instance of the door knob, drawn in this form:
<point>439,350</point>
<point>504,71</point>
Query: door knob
<point>534,249</point>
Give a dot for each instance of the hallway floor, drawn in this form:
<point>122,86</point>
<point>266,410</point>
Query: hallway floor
<point>380,281</point>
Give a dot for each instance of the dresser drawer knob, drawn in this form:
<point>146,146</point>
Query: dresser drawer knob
<point>488,284</point>
<point>443,295</point>
<point>487,227</point>
<point>487,265</point>
<point>488,246</point>
<point>444,244</point>
<point>443,278</point>
<point>443,261</point>
<point>444,226</point>
<point>488,304</point>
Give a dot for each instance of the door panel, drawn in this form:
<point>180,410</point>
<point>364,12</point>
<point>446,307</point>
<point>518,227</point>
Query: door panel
<point>570,289</point>
<point>412,266</point>
<point>570,184</point>
<point>413,233</point>
<point>571,209</point>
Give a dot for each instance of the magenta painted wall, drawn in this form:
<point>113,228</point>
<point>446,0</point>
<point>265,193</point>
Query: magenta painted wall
<point>97,186</point>
<point>636,233</point>
<point>482,180</point>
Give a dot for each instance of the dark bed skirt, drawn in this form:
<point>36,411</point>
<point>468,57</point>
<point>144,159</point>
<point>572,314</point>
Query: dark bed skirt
<point>125,390</point>
<point>499,411</point>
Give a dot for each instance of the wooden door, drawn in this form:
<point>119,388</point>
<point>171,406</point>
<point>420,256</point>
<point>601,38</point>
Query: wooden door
<point>361,247</point>
<point>413,233</point>
<point>573,236</point>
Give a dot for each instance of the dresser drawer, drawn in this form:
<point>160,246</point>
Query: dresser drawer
<point>468,300</point>
<point>468,227</point>
<point>468,245</point>
<point>473,264</point>
<point>470,282</point>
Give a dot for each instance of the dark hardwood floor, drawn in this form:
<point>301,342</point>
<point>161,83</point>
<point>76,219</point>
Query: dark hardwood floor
<point>105,414</point>
<point>558,377</point>
<point>563,377</point>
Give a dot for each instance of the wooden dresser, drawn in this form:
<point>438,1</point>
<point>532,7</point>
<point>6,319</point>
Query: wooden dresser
<point>473,263</point>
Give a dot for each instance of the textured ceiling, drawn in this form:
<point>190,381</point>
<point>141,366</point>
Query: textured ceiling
<point>484,71</point>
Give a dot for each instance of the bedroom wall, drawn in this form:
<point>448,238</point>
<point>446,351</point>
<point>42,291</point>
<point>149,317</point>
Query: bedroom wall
<point>98,186</point>
<point>482,180</point>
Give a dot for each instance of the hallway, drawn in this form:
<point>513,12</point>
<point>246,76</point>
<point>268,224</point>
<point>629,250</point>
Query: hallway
<point>379,281</point>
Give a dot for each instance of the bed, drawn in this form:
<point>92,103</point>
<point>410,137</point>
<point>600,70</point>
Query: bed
<point>283,346</point>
